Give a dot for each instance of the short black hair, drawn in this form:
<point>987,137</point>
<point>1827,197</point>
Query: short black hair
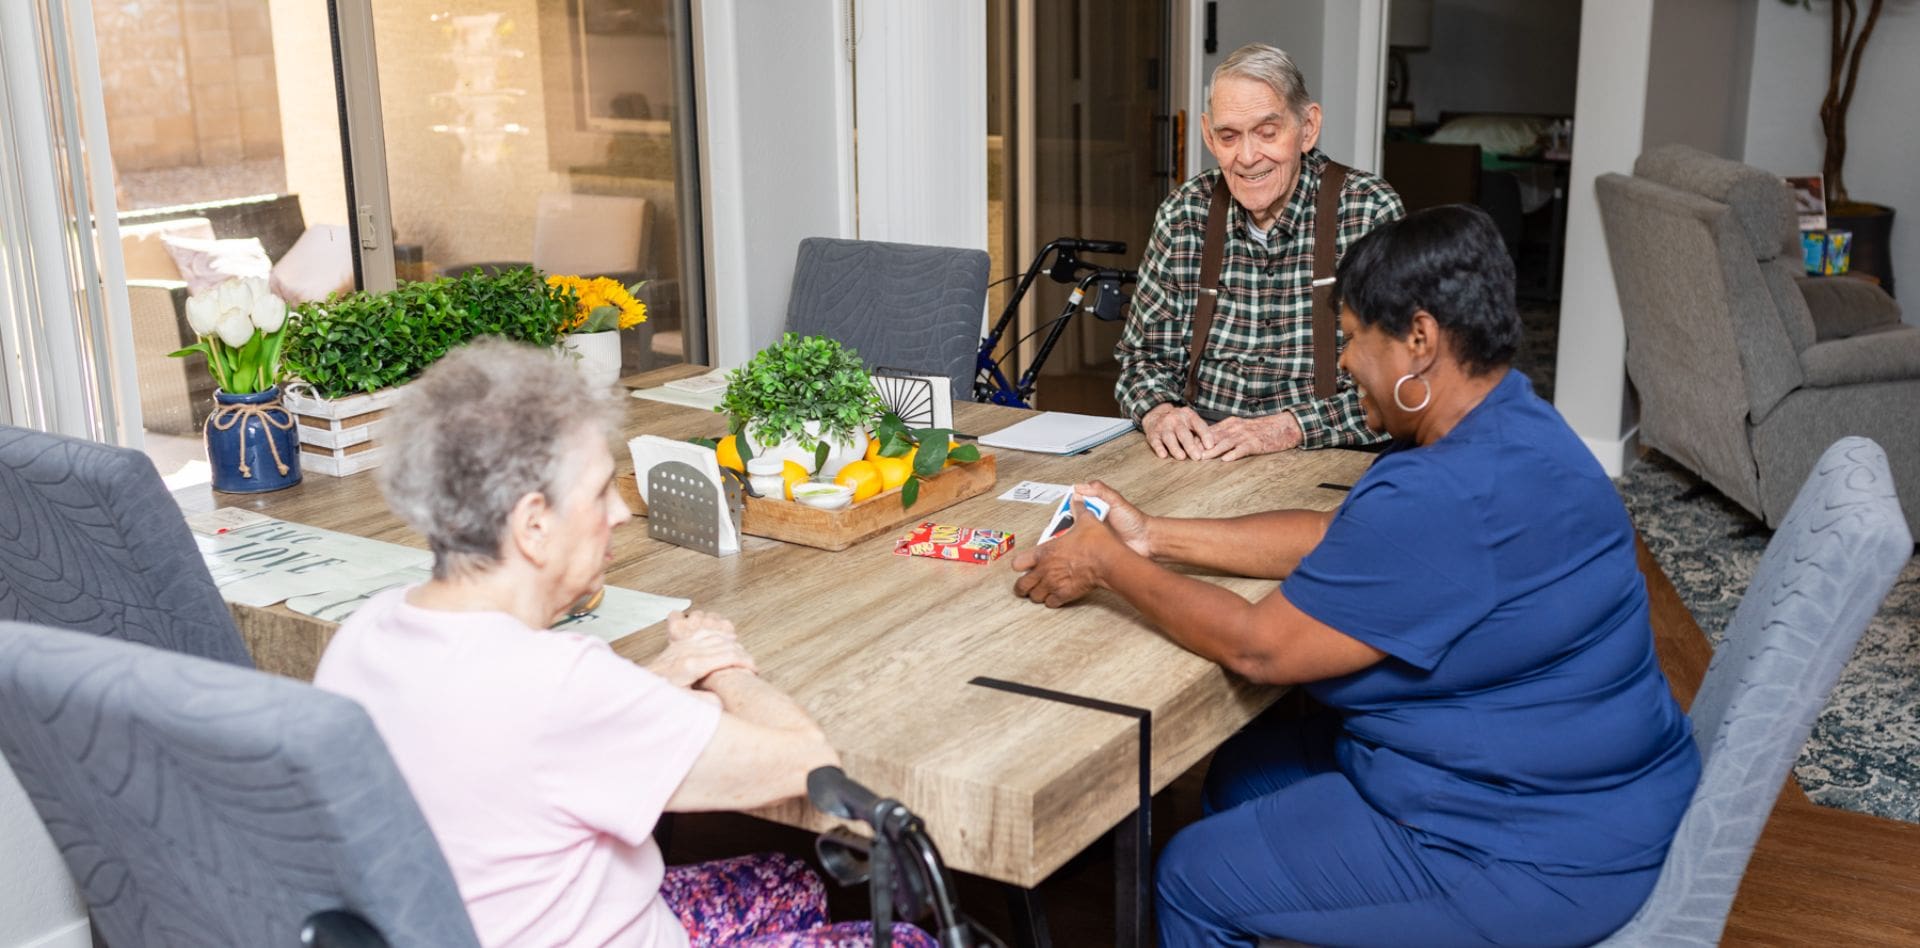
<point>1449,261</point>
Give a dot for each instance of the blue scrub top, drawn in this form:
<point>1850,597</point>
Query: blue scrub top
<point>1521,713</point>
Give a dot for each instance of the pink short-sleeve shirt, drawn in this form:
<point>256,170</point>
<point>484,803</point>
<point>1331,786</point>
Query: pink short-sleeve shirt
<point>541,759</point>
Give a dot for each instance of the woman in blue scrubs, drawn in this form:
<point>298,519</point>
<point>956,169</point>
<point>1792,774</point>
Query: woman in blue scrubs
<point>1494,757</point>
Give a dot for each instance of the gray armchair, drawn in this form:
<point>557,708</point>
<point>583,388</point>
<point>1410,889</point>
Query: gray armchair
<point>1746,369</point>
<point>200,804</point>
<point>1823,577</point>
<point>90,540</point>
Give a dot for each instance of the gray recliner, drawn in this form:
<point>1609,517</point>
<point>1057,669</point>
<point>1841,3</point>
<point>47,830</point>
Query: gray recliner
<point>1746,368</point>
<point>90,540</point>
<point>200,804</point>
<point>902,306</point>
<point>1824,575</point>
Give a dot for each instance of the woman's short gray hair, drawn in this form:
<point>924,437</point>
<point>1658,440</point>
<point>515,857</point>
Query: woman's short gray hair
<point>483,427</point>
<point>1268,64</point>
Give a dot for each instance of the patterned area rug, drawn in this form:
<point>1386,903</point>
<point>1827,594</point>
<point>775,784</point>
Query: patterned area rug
<point>1862,752</point>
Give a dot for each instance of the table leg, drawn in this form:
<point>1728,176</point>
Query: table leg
<point>1029,918</point>
<point>1133,880</point>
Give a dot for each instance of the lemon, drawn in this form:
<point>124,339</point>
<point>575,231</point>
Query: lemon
<point>863,477</point>
<point>792,472</point>
<point>728,453</point>
<point>893,471</point>
<point>873,448</point>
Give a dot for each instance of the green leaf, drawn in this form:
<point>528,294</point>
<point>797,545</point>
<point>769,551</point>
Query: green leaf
<point>895,444</point>
<point>965,453</point>
<point>200,347</point>
<point>909,491</point>
<point>708,443</point>
<point>820,452</point>
<point>932,457</point>
<point>746,448</point>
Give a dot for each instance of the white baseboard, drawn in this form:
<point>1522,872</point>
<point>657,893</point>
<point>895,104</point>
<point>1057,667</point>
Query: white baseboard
<point>76,935</point>
<point>1616,455</point>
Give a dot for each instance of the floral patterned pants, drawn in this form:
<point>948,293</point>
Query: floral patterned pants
<point>767,900</point>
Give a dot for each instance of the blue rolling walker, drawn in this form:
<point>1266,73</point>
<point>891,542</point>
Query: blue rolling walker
<point>990,383</point>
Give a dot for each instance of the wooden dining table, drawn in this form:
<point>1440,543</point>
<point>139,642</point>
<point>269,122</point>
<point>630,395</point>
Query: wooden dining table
<point>1017,732</point>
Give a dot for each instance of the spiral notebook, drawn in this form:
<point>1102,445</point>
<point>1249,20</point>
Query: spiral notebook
<point>1058,432</point>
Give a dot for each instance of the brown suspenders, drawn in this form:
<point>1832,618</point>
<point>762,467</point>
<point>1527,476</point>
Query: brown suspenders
<point>1326,224</point>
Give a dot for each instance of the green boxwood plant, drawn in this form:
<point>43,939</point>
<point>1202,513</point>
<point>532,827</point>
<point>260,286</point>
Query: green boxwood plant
<point>361,342</point>
<point>797,380</point>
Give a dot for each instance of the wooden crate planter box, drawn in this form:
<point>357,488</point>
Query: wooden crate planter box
<point>835,530</point>
<point>340,436</point>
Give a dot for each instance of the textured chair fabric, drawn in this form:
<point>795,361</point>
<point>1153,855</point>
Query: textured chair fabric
<point>200,804</point>
<point>90,540</point>
<point>902,306</point>
<point>1824,575</point>
<point>1746,370</point>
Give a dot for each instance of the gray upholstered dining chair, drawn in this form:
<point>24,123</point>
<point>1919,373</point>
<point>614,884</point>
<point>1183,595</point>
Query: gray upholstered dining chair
<point>1824,575</point>
<point>196,803</point>
<point>902,306</point>
<point>90,540</point>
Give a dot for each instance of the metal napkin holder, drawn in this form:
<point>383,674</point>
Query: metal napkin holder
<point>683,506</point>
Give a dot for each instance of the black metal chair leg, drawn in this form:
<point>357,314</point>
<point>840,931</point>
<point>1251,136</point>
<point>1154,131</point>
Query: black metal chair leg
<point>1133,880</point>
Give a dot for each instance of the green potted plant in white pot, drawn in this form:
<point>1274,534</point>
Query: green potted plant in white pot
<point>805,398</point>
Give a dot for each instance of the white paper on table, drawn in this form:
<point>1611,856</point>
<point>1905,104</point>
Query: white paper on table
<point>622,612</point>
<point>212,523</point>
<point>274,560</point>
<point>1036,492</point>
<point>702,401</point>
<point>707,383</point>
<point>335,605</point>
<point>651,450</point>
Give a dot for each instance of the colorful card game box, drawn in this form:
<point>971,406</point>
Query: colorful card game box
<point>948,542</point>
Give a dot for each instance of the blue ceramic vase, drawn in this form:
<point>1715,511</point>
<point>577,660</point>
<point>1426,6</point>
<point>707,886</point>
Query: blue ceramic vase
<point>253,444</point>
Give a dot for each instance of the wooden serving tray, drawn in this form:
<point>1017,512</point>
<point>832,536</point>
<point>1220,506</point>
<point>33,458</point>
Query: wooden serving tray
<point>835,530</point>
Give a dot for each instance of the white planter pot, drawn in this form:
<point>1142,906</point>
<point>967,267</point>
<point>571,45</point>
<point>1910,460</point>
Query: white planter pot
<point>599,356</point>
<point>852,449</point>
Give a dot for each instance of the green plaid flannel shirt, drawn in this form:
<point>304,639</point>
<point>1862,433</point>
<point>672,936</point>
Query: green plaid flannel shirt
<point>1259,355</point>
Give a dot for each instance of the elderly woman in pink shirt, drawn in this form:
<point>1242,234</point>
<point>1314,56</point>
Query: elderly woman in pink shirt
<point>541,759</point>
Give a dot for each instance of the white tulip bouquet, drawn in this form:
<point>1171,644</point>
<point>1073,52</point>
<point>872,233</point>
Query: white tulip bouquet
<point>239,324</point>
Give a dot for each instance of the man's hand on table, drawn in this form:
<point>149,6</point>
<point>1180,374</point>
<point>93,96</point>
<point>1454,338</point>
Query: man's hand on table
<point>1236,438</point>
<point>1176,431</point>
<point>1072,564</point>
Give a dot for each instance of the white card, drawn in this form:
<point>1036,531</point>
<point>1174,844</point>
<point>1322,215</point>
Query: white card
<point>1063,515</point>
<point>1036,492</point>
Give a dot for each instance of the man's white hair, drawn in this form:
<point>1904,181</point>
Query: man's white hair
<point>1268,64</point>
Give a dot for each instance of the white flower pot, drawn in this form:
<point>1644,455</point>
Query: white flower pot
<point>852,449</point>
<point>599,356</point>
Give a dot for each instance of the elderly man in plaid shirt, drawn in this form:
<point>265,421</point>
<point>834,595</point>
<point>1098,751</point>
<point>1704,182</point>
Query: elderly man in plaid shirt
<point>1255,381</point>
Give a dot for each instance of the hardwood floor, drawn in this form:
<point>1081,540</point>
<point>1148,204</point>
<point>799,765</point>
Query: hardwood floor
<point>1819,876</point>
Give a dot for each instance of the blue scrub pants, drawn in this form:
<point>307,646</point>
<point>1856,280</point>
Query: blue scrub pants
<point>1289,849</point>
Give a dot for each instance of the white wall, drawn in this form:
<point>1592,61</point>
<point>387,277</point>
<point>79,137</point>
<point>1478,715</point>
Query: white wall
<point>1591,383</point>
<point>1696,78</point>
<point>1338,45</point>
<point>776,156</point>
<point>1789,65</point>
<point>922,80</point>
<point>1498,56</point>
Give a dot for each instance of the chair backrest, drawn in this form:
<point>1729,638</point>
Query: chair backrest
<point>590,235</point>
<point>201,804</point>
<point>902,306</point>
<point>90,540</point>
<point>1824,575</point>
<point>1762,207</point>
